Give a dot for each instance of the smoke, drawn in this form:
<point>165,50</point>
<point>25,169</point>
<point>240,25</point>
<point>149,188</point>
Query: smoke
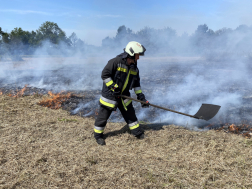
<point>82,106</point>
<point>178,72</point>
<point>223,83</point>
<point>54,69</point>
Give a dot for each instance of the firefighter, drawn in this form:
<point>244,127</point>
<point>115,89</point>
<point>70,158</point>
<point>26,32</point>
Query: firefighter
<point>119,76</point>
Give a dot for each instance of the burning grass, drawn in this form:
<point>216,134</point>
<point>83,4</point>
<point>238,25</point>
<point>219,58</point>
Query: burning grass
<point>46,148</point>
<point>55,100</point>
<point>17,93</point>
<point>244,130</point>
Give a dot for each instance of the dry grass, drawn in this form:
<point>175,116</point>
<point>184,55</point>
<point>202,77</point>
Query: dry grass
<point>45,148</point>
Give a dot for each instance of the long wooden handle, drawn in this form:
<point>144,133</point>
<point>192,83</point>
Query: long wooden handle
<point>157,106</point>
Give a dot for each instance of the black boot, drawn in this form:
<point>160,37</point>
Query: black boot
<point>100,141</point>
<point>99,138</point>
<point>141,136</point>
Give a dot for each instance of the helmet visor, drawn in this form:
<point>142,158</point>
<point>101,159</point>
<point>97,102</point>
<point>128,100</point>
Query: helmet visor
<point>142,53</point>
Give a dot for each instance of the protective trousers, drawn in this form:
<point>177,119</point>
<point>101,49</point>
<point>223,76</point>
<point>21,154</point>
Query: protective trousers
<point>129,117</point>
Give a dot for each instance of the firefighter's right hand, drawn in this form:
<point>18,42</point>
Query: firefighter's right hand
<point>145,105</point>
<point>141,97</point>
<point>116,92</point>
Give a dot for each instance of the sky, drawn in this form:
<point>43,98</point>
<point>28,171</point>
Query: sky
<point>94,20</point>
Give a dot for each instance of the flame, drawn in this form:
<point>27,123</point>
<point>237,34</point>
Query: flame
<point>232,127</point>
<point>243,130</point>
<point>1,93</point>
<point>21,92</point>
<point>55,100</point>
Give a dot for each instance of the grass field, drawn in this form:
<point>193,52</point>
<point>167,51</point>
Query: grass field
<point>45,148</point>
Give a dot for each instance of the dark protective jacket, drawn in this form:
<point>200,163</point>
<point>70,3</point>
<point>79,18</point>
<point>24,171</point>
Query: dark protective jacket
<point>117,73</point>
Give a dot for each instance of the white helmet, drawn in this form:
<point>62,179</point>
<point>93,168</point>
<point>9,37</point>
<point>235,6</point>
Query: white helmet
<point>133,48</point>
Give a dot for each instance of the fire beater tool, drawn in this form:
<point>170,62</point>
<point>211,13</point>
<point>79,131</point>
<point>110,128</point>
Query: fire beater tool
<point>206,111</point>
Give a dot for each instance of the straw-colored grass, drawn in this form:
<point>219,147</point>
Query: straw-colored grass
<point>45,148</point>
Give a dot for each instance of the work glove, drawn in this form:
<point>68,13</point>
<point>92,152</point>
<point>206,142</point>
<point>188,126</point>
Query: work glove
<point>146,105</point>
<point>141,97</point>
<point>116,92</point>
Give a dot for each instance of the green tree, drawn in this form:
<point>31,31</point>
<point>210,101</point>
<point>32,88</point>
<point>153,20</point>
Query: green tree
<point>4,36</point>
<point>52,32</point>
<point>22,42</point>
<point>19,36</point>
<point>32,39</point>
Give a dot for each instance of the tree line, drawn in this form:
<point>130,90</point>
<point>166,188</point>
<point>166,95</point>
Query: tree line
<point>164,41</point>
<point>20,42</point>
<point>204,41</point>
